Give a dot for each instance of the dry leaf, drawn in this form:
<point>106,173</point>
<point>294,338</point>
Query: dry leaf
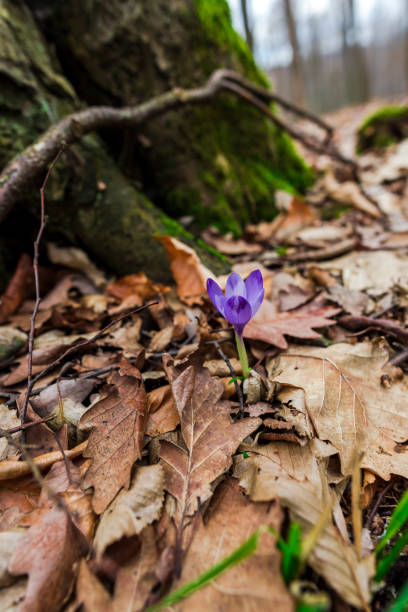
<point>91,595</point>
<point>349,193</point>
<point>270,326</point>
<point>18,289</point>
<point>188,271</point>
<point>47,553</point>
<point>161,340</point>
<point>8,420</point>
<point>116,440</point>
<point>347,403</point>
<point>163,415</point>
<point>12,596</point>
<point>12,341</point>
<point>297,475</point>
<point>76,259</point>
<point>209,435</point>
<point>374,272</point>
<point>132,510</point>
<point>254,585</point>
<point>135,285</point>
<point>47,402</point>
<point>298,216</point>
<point>64,479</point>
<point>230,246</point>
<point>8,542</point>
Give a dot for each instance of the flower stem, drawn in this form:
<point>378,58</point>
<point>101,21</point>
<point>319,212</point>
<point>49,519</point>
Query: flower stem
<point>243,357</point>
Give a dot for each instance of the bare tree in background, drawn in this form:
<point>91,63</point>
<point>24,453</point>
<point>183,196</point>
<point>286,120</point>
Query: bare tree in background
<point>356,76</point>
<point>248,29</point>
<point>296,66</point>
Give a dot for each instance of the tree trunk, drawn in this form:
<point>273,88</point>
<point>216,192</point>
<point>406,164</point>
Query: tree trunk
<point>297,73</point>
<point>220,163</point>
<point>248,30</point>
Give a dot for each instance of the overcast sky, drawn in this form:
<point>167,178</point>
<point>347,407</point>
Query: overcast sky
<point>275,51</point>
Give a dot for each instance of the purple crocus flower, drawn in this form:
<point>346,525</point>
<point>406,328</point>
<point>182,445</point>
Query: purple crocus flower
<point>241,300</point>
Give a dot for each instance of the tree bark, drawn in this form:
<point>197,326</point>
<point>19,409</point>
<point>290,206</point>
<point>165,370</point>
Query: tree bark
<point>298,83</point>
<point>248,30</point>
<point>220,163</point>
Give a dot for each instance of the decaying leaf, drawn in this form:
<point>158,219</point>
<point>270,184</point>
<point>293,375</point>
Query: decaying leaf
<point>270,325</point>
<point>8,420</point>
<point>230,246</point>
<point>135,285</point>
<point>374,272</point>
<point>47,553</point>
<point>64,479</point>
<point>188,271</point>
<point>256,584</point>
<point>19,287</point>
<point>132,510</point>
<point>347,403</point>
<point>76,259</point>
<point>91,595</point>
<point>163,415</point>
<point>209,435</point>
<point>297,475</point>
<point>8,542</point>
<point>115,442</point>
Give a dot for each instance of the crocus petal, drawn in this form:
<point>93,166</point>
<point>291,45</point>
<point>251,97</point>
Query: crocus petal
<point>256,302</point>
<point>216,295</point>
<point>253,285</point>
<point>235,286</point>
<point>237,311</point>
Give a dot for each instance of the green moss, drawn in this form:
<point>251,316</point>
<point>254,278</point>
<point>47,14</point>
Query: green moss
<point>215,16</point>
<point>383,128</point>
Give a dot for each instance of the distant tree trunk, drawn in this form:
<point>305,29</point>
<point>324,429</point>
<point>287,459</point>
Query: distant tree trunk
<point>406,42</point>
<point>297,73</point>
<point>355,64</point>
<point>248,29</point>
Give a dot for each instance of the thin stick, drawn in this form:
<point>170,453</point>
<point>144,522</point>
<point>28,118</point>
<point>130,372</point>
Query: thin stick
<point>73,349</point>
<point>5,432</point>
<point>37,289</point>
<point>378,501</point>
<point>232,371</point>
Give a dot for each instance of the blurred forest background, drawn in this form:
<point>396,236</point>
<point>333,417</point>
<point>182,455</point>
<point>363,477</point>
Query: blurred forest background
<point>328,53</point>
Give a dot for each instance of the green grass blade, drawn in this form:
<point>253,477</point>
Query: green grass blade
<point>398,518</point>
<point>239,554</point>
<point>401,603</point>
<point>291,552</point>
<point>388,561</point>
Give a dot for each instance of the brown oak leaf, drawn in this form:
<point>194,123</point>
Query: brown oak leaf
<point>270,325</point>
<point>209,435</point>
<point>254,585</point>
<point>47,553</point>
<point>115,443</point>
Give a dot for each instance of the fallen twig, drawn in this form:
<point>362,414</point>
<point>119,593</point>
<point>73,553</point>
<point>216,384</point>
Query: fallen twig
<point>384,325</point>
<point>11,468</point>
<point>37,289</point>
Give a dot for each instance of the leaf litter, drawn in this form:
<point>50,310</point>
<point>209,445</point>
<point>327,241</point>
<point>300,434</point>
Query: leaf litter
<point>143,472</point>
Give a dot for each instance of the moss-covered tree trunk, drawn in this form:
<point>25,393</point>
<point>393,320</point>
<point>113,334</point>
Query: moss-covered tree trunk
<point>220,163</point>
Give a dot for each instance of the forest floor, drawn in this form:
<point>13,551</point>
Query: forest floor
<point>141,465</point>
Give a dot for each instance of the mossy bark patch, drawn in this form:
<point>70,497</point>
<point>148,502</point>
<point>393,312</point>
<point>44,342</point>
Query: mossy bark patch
<point>89,201</point>
<point>383,128</point>
<point>221,162</point>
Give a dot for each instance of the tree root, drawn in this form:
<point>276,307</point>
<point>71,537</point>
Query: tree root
<point>17,176</point>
